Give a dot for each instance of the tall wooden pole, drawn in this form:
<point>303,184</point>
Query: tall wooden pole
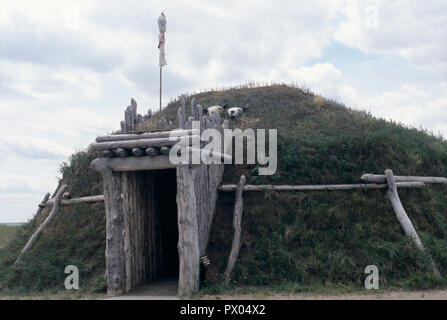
<point>160,85</point>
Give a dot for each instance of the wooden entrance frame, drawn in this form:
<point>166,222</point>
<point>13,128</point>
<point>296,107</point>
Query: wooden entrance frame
<point>128,198</point>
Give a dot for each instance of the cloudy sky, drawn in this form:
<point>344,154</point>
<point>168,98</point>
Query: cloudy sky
<point>69,68</point>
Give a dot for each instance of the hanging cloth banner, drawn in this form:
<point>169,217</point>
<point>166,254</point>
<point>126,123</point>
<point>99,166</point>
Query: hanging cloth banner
<point>162,39</point>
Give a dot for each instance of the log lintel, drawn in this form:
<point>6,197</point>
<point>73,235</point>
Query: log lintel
<point>133,163</point>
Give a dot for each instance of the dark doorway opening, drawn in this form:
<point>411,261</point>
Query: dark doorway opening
<point>150,227</point>
<point>165,195</point>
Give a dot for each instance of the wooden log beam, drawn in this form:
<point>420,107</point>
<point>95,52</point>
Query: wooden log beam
<point>66,202</point>
<point>143,143</point>
<point>42,227</point>
<point>380,178</point>
<point>152,152</point>
<point>370,186</point>
<point>121,152</point>
<point>133,163</point>
<point>237,226</point>
<point>108,154</point>
<point>403,218</point>
<point>145,135</point>
<point>66,195</point>
<point>165,151</point>
<point>137,152</point>
<point>214,155</point>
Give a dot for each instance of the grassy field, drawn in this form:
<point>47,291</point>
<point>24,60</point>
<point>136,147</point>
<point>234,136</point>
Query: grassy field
<point>6,233</point>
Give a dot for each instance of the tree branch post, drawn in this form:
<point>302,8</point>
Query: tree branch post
<point>42,227</point>
<point>403,218</point>
<point>237,225</point>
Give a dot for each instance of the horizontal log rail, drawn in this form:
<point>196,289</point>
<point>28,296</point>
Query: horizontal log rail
<point>248,187</point>
<point>144,143</point>
<point>146,135</point>
<point>65,202</point>
<point>368,186</point>
<point>381,178</point>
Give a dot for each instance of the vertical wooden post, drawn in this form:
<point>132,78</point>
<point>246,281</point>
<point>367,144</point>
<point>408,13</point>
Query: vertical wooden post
<point>188,243</point>
<point>237,226</point>
<point>403,218</point>
<point>160,85</point>
<point>115,259</point>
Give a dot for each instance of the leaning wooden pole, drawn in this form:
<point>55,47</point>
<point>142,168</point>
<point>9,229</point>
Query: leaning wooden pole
<point>42,205</point>
<point>42,227</point>
<point>403,218</point>
<point>237,225</point>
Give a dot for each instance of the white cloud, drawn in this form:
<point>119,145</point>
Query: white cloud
<point>414,30</point>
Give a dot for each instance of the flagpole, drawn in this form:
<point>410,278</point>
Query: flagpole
<point>160,85</point>
<point>161,46</point>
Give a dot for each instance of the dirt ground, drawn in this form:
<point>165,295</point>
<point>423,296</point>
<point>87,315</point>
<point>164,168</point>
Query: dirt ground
<point>381,295</point>
<point>393,295</point>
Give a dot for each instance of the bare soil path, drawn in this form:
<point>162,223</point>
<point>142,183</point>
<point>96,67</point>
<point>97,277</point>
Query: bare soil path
<point>381,295</point>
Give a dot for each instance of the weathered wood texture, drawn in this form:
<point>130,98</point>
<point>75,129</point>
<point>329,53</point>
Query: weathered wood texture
<point>32,240</point>
<point>137,152</point>
<point>144,135</point>
<point>232,188</point>
<point>165,151</point>
<point>196,201</point>
<point>213,156</point>
<point>134,164</point>
<point>115,262</point>
<point>42,205</point>
<point>139,244</point>
<point>65,202</point>
<point>181,113</point>
<point>237,226</point>
<point>372,186</point>
<point>108,154</point>
<point>144,143</point>
<point>188,244</point>
<point>121,152</point>
<point>142,241</point>
<point>403,218</point>
<point>378,178</point>
<point>152,152</point>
